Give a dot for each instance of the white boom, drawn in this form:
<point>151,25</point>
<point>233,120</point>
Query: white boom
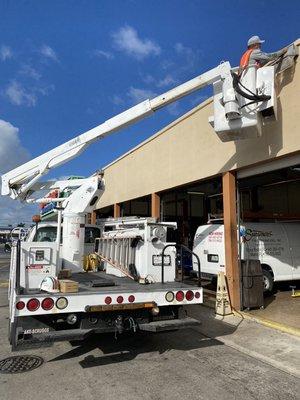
<point>233,115</point>
<point>19,182</point>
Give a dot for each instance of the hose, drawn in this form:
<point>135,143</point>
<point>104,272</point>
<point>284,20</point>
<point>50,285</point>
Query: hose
<point>252,96</point>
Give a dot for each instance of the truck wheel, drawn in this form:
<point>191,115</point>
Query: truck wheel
<point>268,281</point>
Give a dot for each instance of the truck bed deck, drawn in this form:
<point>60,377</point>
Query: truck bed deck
<point>94,282</point>
<point>100,282</point>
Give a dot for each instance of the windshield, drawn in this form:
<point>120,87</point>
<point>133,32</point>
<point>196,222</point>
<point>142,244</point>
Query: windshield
<point>48,234</point>
<point>45,234</point>
<point>91,234</point>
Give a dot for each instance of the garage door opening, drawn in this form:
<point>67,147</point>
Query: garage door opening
<point>270,213</point>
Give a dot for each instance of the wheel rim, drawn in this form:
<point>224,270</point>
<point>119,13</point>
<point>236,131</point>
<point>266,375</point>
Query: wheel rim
<point>266,283</point>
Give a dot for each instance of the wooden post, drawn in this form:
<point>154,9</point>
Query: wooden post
<point>93,217</point>
<point>155,205</point>
<point>231,241</point>
<point>117,210</point>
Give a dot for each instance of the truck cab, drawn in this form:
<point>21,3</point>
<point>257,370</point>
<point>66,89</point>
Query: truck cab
<point>46,232</point>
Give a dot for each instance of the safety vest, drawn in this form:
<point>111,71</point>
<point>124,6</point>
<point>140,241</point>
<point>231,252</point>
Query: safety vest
<point>245,60</point>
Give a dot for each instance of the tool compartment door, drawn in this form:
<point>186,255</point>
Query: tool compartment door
<point>38,260</point>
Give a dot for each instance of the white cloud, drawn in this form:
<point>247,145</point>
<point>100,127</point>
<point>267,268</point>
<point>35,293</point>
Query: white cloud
<point>101,53</point>
<point>148,79</point>
<point>126,39</point>
<point>29,71</point>
<point>138,95</point>
<point>19,96</point>
<point>12,154</point>
<point>43,90</point>
<point>167,81</point>
<point>117,100</point>
<point>191,57</point>
<point>5,53</point>
<point>181,49</point>
<point>48,52</point>
<point>167,64</point>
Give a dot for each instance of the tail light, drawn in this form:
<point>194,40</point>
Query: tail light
<point>120,299</point>
<point>169,296</point>
<point>197,295</point>
<point>20,305</point>
<point>33,304</point>
<point>131,298</point>
<point>61,303</point>
<point>189,295</point>
<point>107,300</point>
<point>179,296</point>
<point>47,303</point>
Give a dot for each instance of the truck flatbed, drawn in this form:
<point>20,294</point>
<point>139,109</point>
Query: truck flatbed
<point>100,282</point>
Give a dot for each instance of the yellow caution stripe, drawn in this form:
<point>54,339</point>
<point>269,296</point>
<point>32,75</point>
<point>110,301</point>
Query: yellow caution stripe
<point>270,324</point>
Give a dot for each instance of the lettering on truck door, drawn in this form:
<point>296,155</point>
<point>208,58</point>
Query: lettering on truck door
<point>268,243</point>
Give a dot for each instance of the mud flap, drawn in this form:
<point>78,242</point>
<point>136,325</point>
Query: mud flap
<point>169,325</point>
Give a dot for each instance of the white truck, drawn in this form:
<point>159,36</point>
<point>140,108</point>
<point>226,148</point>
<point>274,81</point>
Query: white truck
<point>138,289</point>
<point>275,245</point>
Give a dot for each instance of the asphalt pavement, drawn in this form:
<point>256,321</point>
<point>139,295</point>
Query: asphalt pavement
<point>211,362</point>
<point>186,364</point>
<point>4,268</point>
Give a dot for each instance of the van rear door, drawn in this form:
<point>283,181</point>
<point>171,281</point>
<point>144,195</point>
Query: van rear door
<point>293,234</point>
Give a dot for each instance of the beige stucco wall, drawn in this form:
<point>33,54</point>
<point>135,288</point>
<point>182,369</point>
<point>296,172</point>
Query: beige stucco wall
<point>188,149</point>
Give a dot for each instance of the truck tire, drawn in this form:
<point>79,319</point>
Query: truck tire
<point>268,281</point>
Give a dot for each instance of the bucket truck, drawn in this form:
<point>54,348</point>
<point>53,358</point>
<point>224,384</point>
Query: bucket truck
<point>137,286</point>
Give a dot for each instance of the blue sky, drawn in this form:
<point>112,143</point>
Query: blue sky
<point>66,66</point>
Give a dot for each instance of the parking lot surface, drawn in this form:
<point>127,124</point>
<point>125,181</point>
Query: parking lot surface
<point>184,364</point>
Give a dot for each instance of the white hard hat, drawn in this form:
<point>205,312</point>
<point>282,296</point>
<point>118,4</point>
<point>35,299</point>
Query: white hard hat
<point>254,40</point>
<point>49,284</point>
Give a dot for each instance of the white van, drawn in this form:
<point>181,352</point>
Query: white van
<point>276,245</point>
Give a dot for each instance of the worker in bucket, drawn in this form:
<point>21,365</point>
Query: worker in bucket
<point>255,56</point>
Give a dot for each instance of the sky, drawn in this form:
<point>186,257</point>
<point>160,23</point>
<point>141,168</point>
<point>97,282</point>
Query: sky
<point>66,66</point>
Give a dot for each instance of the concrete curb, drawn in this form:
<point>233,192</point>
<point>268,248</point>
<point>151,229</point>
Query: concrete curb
<point>293,371</point>
<point>270,324</point>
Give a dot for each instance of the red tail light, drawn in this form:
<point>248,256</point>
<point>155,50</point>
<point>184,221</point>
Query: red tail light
<point>33,304</point>
<point>47,304</point>
<point>20,305</point>
<point>179,296</point>
<point>131,298</point>
<point>189,295</point>
<point>120,299</point>
<point>107,300</point>
<point>197,295</point>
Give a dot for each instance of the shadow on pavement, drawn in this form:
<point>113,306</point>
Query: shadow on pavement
<point>127,348</point>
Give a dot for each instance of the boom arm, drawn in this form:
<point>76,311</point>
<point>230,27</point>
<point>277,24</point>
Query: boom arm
<point>19,182</point>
